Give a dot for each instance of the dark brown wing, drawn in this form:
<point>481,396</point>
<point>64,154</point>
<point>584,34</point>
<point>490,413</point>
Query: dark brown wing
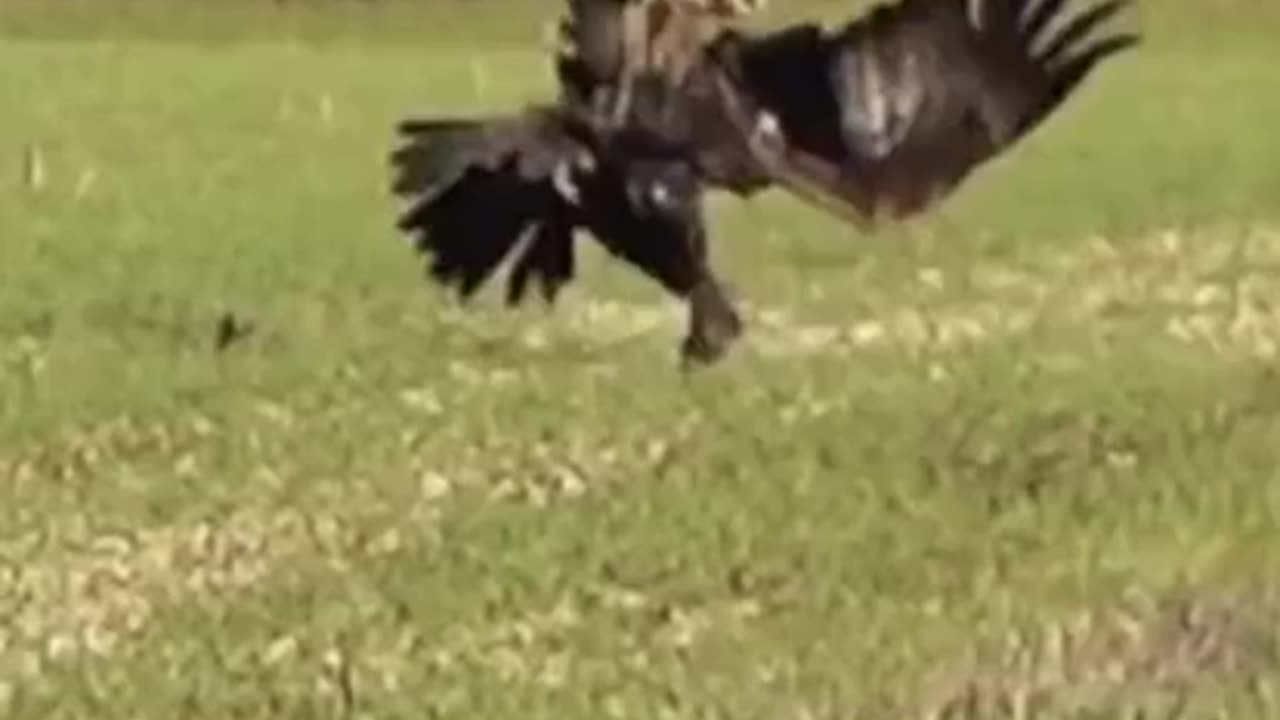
<point>481,191</point>
<point>893,111</point>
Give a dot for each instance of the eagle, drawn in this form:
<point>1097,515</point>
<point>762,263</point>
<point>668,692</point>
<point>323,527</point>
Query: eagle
<point>880,118</point>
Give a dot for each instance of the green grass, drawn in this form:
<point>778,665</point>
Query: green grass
<point>1015,460</point>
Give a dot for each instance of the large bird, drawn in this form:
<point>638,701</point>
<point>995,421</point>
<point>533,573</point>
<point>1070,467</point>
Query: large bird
<point>884,116</point>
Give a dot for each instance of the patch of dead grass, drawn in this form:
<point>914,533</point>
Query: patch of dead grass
<point>1113,660</point>
<point>90,598</point>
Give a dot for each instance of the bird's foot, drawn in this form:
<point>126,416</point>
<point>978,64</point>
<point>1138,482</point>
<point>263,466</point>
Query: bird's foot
<point>713,327</point>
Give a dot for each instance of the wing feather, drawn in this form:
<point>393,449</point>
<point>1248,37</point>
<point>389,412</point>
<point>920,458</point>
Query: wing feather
<point>1038,16</point>
<point>1080,26</point>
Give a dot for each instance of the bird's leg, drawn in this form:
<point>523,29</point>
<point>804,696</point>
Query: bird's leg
<point>621,99</point>
<point>713,324</point>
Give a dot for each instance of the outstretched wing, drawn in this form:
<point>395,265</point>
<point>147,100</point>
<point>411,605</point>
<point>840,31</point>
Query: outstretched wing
<point>895,109</point>
<point>481,191</point>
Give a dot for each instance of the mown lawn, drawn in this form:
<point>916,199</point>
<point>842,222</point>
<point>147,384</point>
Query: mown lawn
<point>1015,460</point>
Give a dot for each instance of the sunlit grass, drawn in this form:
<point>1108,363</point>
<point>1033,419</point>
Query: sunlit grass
<point>1016,460</point>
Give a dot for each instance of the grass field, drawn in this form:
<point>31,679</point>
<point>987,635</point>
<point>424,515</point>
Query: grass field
<point>1017,460</point>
